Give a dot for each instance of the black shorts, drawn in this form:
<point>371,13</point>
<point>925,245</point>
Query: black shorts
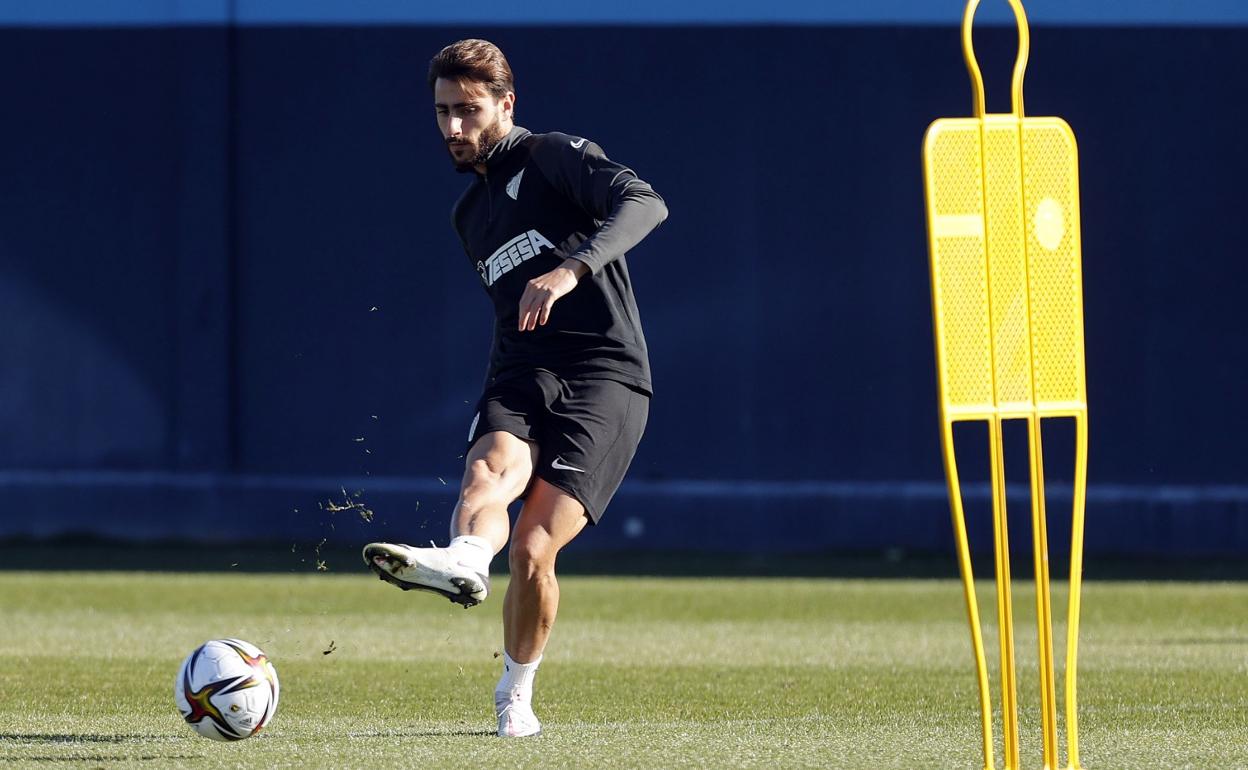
<point>586,430</point>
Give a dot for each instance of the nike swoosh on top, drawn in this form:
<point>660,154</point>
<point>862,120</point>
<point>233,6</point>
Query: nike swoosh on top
<point>577,144</point>
<point>559,465</point>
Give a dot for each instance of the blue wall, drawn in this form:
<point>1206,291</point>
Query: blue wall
<point>639,12</point>
<point>225,259</point>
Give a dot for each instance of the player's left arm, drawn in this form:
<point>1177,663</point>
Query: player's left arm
<point>625,206</point>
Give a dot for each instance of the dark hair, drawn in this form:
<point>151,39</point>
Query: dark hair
<point>479,61</point>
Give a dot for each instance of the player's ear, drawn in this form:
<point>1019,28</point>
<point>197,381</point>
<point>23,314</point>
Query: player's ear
<point>508,105</point>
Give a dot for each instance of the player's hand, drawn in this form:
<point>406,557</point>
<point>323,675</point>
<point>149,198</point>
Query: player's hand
<point>541,293</point>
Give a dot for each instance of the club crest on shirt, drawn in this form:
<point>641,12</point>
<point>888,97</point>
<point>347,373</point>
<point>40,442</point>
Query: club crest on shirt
<point>512,254</point>
<point>513,187</point>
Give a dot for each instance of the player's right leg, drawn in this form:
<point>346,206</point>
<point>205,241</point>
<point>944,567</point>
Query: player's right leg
<point>497,470</point>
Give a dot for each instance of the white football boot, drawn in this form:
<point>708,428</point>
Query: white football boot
<point>515,717</point>
<point>429,569</point>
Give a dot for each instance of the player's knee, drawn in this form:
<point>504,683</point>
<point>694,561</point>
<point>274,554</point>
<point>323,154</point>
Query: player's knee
<point>486,484</point>
<point>532,558</point>
<point>486,470</point>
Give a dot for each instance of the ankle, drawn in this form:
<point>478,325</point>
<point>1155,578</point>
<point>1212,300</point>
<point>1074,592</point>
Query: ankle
<point>516,683</point>
<point>475,550</point>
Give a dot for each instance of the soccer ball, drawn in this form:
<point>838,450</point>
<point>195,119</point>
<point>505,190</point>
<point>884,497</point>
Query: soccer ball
<point>226,690</point>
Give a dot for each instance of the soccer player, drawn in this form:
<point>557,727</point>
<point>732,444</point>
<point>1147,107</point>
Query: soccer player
<point>546,222</point>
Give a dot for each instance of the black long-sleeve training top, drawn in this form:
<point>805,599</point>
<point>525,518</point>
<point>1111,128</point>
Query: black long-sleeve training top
<point>543,198</point>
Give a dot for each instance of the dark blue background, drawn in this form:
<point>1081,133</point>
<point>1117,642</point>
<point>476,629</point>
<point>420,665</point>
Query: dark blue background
<point>197,224</point>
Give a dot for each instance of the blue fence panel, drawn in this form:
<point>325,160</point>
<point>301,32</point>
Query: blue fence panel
<point>226,261</point>
<point>635,12</point>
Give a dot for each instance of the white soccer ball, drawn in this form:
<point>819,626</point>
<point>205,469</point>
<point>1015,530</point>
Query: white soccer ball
<point>226,690</point>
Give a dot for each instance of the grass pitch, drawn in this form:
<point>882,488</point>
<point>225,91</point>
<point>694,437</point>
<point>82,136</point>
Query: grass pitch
<point>641,672</point>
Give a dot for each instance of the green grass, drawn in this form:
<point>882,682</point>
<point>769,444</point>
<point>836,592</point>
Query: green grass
<point>641,672</point>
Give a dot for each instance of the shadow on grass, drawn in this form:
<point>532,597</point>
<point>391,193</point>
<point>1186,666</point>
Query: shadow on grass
<point>69,740</point>
<point>60,738</point>
<point>432,732</point>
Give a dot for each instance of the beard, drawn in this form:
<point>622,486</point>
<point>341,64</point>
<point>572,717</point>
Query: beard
<point>491,135</point>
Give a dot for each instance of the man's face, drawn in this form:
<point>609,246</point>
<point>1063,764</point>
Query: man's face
<point>472,120</point>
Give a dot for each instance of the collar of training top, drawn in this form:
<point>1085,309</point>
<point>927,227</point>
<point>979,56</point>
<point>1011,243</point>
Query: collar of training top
<point>500,151</point>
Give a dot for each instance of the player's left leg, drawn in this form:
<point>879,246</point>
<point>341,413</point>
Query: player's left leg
<point>587,437</point>
<point>550,519</point>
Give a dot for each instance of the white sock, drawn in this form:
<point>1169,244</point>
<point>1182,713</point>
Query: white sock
<point>516,682</point>
<point>477,551</point>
